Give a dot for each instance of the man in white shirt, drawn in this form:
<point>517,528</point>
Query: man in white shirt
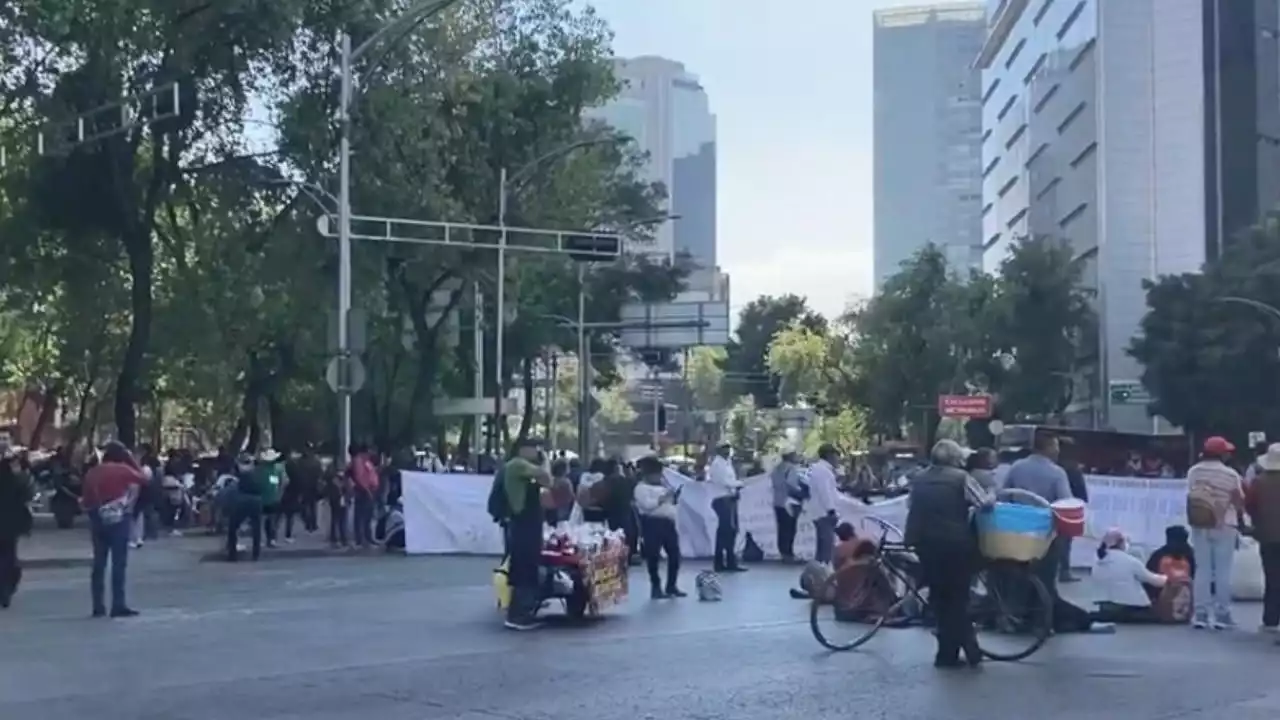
<point>725,487</point>
<point>823,493</point>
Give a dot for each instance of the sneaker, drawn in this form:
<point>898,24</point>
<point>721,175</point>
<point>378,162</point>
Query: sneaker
<point>522,625</point>
<point>175,533</point>
<point>1223,623</point>
<point>288,541</point>
<point>1200,622</point>
<point>1271,629</point>
<point>1102,628</point>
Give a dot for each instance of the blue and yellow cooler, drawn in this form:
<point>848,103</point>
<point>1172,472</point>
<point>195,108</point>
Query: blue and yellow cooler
<point>1015,532</point>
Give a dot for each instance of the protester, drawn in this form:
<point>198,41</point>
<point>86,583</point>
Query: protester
<point>302,492</point>
<point>723,491</point>
<point>1176,558</point>
<point>1041,474</point>
<point>1124,583</point>
<point>981,464</point>
<point>591,494</point>
<point>111,490</point>
<point>823,494</point>
<point>1215,504</point>
<point>271,478</point>
<point>523,480</point>
<point>787,487</point>
<point>246,507</point>
<point>615,495</point>
<point>337,492</point>
<point>1070,462</point>
<point>656,503</point>
<point>560,503</point>
<point>940,502</point>
<point>1263,503</point>
<point>15,522</point>
<point>364,488</point>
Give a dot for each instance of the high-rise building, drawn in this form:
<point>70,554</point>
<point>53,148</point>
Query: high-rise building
<point>1142,132</point>
<point>666,110</point>
<point>928,134</point>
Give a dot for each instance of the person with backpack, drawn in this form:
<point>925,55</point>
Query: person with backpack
<point>1215,506</point>
<point>523,480</point>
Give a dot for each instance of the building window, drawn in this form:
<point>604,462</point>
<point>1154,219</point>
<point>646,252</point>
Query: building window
<point>1084,53</point>
<point>1005,188</point>
<point>1072,216</point>
<point>1076,112</point>
<point>987,208</point>
<point>991,241</point>
<point>1017,218</point>
<point>990,91</point>
<point>1035,68</point>
<point>1008,105</point>
<point>1048,188</point>
<point>1039,151</point>
<point>1071,19</point>
<point>1085,154</point>
<point>1048,95</point>
<point>990,166</point>
<point>1041,12</point>
<point>1013,54</point>
<point>1022,129</point>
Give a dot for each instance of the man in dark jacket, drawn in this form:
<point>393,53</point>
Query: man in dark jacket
<point>15,521</point>
<point>942,498</point>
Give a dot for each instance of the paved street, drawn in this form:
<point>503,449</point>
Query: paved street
<point>389,638</point>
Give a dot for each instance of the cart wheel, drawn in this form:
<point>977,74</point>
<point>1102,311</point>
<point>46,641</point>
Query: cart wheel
<point>575,606</point>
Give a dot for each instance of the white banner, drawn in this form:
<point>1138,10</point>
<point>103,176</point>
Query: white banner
<point>449,514</point>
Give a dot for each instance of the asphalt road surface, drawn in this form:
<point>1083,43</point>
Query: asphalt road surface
<point>380,638</point>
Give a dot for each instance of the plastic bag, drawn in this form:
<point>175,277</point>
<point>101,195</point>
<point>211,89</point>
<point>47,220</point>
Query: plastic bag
<point>1246,571</point>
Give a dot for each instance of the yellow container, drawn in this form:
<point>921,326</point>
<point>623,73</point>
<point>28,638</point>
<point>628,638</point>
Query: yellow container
<point>1013,546</point>
<point>502,585</point>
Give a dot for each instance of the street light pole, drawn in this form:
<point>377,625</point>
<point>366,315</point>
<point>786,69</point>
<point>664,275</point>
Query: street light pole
<point>584,367</point>
<point>344,250</point>
<point>500,323</point>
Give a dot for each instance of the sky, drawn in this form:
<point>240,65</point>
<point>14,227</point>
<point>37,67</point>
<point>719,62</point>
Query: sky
<point>790,84</point>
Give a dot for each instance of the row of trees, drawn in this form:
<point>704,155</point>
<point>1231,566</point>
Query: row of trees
<point>163,274</point>
<point>1025,335</point>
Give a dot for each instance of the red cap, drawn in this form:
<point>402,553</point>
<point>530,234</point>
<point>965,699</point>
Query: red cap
<point>1218,446</point>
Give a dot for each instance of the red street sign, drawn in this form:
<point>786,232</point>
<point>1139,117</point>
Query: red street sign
<point>964,406</point>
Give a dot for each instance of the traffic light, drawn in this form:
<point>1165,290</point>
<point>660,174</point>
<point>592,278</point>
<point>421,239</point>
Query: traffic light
<point>587,247</point>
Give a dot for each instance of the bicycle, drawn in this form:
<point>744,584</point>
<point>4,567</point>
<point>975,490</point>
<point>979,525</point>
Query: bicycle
<point>889,581</point>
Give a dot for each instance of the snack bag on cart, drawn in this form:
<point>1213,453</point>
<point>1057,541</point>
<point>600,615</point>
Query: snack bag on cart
<point>502,584</point>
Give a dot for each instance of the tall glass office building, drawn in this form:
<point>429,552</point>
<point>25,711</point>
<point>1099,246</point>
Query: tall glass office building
<point>928,124</point>
<point>1102,124</point>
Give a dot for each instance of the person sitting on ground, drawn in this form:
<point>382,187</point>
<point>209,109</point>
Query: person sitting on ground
<point>1125,583</point>
<point>849,547</point>
<point>1175,559</point>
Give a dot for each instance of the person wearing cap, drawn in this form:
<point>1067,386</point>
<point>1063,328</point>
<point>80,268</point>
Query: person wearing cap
<point>1263,503</point>
<point>787,488</point>
<point>724,489</point>
<point>523,479</point>
<point>656,503</point>
<point>1125,584</point>
<point>1215,506</point>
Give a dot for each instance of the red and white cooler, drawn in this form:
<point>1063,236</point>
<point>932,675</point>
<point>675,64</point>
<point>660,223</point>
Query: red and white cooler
<point>1068,517</point>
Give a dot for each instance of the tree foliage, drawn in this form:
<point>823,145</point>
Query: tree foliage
<point>747,360</point>
<point>168,270</point>
<point>1208,342</point>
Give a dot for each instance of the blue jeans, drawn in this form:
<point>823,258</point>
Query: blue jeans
<point>1215,552</point>
<point>824,539</point>
<point>113,541</point>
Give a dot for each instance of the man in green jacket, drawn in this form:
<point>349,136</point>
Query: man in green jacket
<point>271,478</point>
<point>523,481</point>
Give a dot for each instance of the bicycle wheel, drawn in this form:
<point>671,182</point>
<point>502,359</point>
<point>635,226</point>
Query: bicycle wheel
<point>836,630</point>
<point>1012,612</point>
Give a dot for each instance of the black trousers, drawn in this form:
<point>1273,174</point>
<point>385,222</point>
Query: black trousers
<point>661,536</point>
<point>524,551</point>
<point>628,523</point>
<point>948,571</point>
<point>786,532</point>
<point>726,509</point>
<point>245,508</point>
<point>10,569</point>
<point>1271,578</point>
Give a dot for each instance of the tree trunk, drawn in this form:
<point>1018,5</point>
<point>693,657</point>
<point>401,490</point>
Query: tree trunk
<point>238,434</point>
<point>526,385</point>
<point>139,251</point>
<point>49,404</point>
<point>275,416</point>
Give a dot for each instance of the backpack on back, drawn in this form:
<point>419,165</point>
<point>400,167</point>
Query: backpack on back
<point>499,507</point>
<point>1202,509</point>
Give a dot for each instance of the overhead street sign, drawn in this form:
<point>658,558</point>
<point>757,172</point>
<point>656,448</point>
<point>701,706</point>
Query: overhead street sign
<point>964,406</point>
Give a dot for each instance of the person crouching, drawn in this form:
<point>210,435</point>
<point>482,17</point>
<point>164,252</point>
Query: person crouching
<point>656,504</point>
